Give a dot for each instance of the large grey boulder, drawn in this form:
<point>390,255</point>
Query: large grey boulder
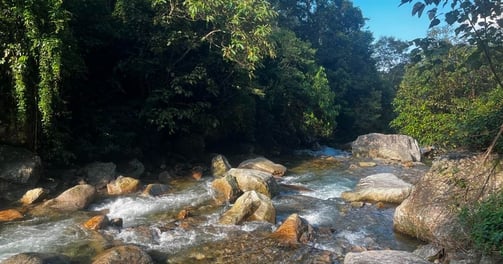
<point>395,147</point>
<point>431,211</point>
<point>19,166</point>
<point>265,165</point>
<point>255,180</point>
<point>381,187</point>
<point>99,174</point>
<point>251,206</point>
<point>383,257</point>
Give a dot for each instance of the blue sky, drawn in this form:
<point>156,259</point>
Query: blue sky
<point>387,19</point>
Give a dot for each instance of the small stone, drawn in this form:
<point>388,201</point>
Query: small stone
<point>96,222</point>
<point>357,204</point>
<point>366,164</point>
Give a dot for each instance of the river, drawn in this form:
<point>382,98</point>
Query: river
<point>151,221</point>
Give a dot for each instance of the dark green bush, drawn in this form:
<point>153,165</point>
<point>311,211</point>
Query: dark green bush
<point>485,223</point>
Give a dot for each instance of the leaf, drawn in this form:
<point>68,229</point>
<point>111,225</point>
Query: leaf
<point>405,2</point>
<point>418,9</point>
<point>434,22</point>
<point>432,13</point>
<point>451,17</point>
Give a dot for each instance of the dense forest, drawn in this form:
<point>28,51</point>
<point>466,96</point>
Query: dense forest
<point>89,80</point>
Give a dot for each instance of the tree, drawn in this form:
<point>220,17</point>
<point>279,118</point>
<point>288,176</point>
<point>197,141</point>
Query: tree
<point>481,23</point>
<point>343,49</point>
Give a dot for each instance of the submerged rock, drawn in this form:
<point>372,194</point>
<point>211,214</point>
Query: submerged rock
<point>251,206</point>
<point>155,189</point>
<point>394,147</point>
<point>123,254</point>
<point>381,187</point>
<point>265,165</point>
<point>37,258</point>
<point>383,257</point>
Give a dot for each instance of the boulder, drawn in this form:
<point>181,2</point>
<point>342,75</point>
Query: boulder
<point>381,187</point>
<point>294,229</point>
<point>265,165</point>
<point>226,189</point>
<point>33,196</point>
<point>395,147</point>
<point>429,252</point>
<point>96,222</point>
<point>10,215</point>
<point>123,185</point>
<point>219,166</point>
<point>133,168</point>
<point>37,258</point>
<point>123,254</point>
<point>251,206</point>
<point>73,199</point>
<point>383,257</point>
<point>255,180</point>
<point>430,213</point>
<point>155,189</point>
<point>20,166</point>
<point>99,174</point>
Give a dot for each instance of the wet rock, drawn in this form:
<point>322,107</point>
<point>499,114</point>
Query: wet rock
<point>394,147</point>
<point>96,222</point>
<point>183,214</point>
<point>197,172</point>
<point>430,213</point>
<point>33,196</point>
<point>19,166</point>
<point>367,164</point>
<point>37,258</point>
<point>123,185</point>
<point>73,199</point>
<point>265,165</point>
<point>99,174</point>
<point>226,189</point>
<point>165,177</point>
<point>251,206</point>
<point>116,222</point>
<point>133,168</point>
<point>123,254</point>
<point>219,166</point>
<point>155,189</point>
<point>383,257</point>
<point>381,187</point>
<point>294,229</point>
<point>10,215</point>
<point>255,180</point>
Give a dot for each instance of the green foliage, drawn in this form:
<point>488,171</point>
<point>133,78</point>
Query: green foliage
<point>443,101</point>
<point>484,221</point>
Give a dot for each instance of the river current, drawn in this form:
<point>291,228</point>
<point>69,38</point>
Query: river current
<point>151,221</point>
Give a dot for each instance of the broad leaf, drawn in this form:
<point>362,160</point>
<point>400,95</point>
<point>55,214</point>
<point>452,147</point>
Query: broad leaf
<point>432,13</point>
<point>418,9</point>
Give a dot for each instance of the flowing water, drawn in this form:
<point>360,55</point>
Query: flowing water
<point>151,221</point>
